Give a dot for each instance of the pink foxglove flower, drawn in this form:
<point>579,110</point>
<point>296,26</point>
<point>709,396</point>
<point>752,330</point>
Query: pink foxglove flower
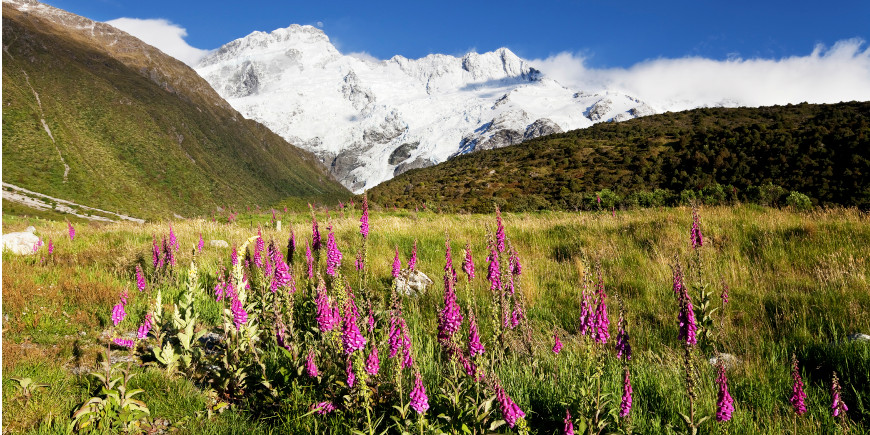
<point>326,320</point>
<point>315,235</point>
<point>240,316</point>
<point>364,219</point>
<point>475,347</point>
<point>234,257</point>
<point>140,278</point>
<point>373,363</point>
<point>351,376</point>
<point>412,263</point>
<point>311,365</point>
<point>419,400</point>
<point>323,408</point>
<point>333,255</point>
<point>173,242</point>
<point>557,346</point>
<point>724,402</point>
<point>499,232</point>
<point>798,396</point>
<point>688,325</point>
<point>142,333</point>
<point>397,264</point>
<point>201,244</point>
<point>351,338</point>
<point>569,424</point>
<point>118,313</point>
<point>623,347</point>
<point>838,407</point>
<point>625,405</point>
<point>509,409</point>
<point>72,231</point>
<point>129,344</point>
<point>468,264</point>
<point>50,246</point>
<point>494,272</point>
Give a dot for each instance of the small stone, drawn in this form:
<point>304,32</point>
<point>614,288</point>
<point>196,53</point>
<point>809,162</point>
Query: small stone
<point>412,282</point>
<point>858,337</point>
<point>278,226</point>
<point>20,243</point>
<point>219,244</point>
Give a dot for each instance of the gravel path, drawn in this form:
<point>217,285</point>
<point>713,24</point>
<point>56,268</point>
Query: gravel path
<point>41,202</point>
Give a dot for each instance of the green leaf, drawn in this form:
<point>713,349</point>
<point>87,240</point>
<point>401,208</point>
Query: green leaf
<point>496,424</point>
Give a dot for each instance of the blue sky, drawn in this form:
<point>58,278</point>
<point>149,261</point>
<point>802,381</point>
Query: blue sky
<point>606,33</point>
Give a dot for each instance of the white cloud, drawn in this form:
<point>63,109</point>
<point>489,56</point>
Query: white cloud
<point>162,34</point>
<point>827,75</point>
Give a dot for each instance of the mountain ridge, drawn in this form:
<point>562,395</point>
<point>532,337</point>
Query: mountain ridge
<point>139,131</point>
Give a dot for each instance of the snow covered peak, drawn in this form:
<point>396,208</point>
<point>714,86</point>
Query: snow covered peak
<point>369,121</point>
<point>288,41</point>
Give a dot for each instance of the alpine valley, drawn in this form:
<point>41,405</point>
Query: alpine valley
<point>370,120</point>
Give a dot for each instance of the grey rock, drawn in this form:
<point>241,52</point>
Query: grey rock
<point>541,127</point>
<point>412,282</point>
<point>402,152</point>
<point>358,95</point>
<point>597,111</point>
<point>730,361</point>
<point>500,139</point>
<point>245,81</point>
<point>858,337</point>
<point>418,163</point>
<point>219,244</point>
<point>20,243</point>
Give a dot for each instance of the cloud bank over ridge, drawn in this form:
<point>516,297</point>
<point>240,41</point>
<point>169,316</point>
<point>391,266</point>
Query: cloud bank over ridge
<point>826,75</point>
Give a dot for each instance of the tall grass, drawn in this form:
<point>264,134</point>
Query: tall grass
<point>798,284</point>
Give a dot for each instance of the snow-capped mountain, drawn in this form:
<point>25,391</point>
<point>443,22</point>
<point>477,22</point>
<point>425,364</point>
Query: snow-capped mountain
<point>369,121</point>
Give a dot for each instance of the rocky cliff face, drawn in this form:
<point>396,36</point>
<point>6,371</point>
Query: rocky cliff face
<point>369,121</point>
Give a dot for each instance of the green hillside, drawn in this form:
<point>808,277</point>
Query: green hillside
<point>747,154</point>
<point>140,132</point>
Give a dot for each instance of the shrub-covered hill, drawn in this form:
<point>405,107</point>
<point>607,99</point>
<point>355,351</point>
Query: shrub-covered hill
<point>140,132</point>
<point>754,154</point>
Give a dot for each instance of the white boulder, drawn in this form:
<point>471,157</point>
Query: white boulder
<point>22,243</point>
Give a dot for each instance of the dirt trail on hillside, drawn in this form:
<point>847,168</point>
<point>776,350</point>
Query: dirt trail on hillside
<point>39,201</point>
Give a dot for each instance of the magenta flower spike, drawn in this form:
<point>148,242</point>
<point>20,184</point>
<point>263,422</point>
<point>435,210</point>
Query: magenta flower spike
<point>311,365</point>
<point>509,409</point>
<point>259,247</point>
<point>142,333</point>
<point>140,278</point>
<point>625,405</point>
<point>351,338</point>
<point>623,347</point>
<point>602,324</point>
<point>838,407</point>
<point>234,257</point>
<point>72,231</point>
<point>281,276</point>
<point>419,400</point>
<point>373,363</point>
<point>397,264</point>
<point>50,246</point>
<point>494,272</point>
<point>323,408</point>
<point>557,346</point>
<point>499,231</point>
<point>129,344</point>
<point>586,314</point>
<point>333,255</point>
<point>173,242</point>
<point>155,252</point>
<point>724,402</point>
<point>688,325</point>
<point>118,313</point>
<point>201,244</point>
<point>514,261</point>
<point>798,396</point>
<point>326,320</point>
<point>309,260</point>
<point>240,316</point>
<point>569,424</point>
<point>412,263</point>
<point>351,376</point>
<point>407,359</point>
<point>468,263</point>
<point>475,347</point>
<point>364,219</point>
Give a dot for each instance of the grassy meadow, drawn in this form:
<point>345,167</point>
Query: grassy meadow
<point>797,283</point>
